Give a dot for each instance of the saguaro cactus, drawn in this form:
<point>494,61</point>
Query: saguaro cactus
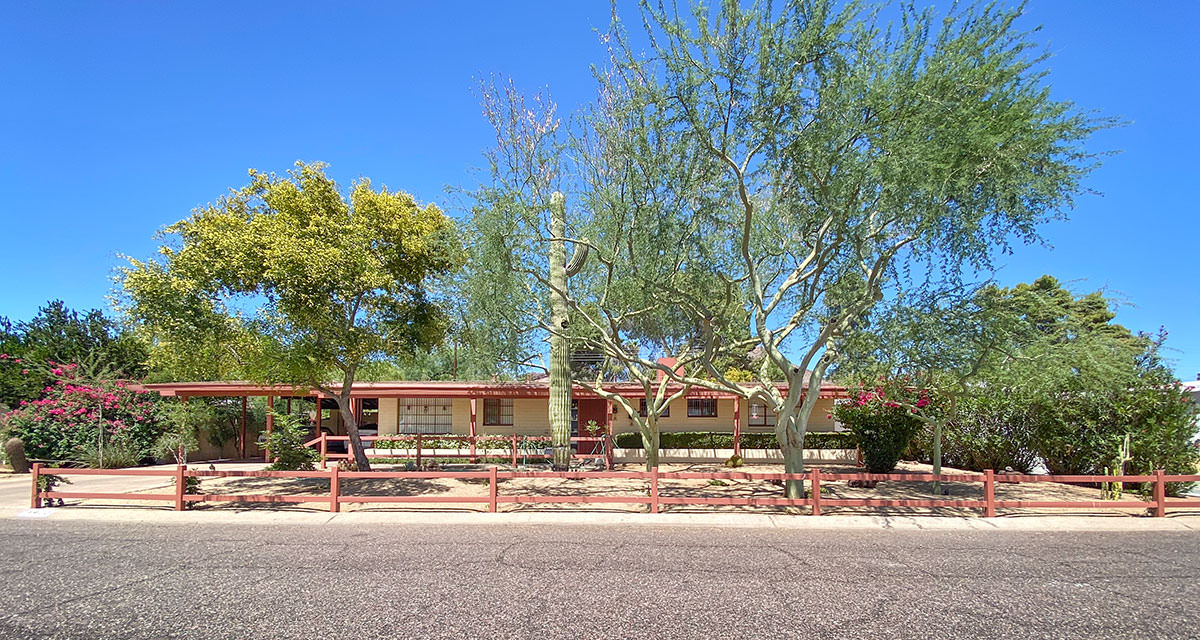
<point>560,353</point>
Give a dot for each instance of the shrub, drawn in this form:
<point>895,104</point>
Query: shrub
<point>70,416</point>
<point>709,440</point>
<point>987,433</point>
<point>115,454</point>
<point>881,429</point>
<point>286,442</point>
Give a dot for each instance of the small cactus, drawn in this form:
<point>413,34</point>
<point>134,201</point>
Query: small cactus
<point>14,451</point>
<point>734,461</point>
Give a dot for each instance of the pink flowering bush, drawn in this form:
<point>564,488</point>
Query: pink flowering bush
<point>882,425</point>
<point>67,418</point>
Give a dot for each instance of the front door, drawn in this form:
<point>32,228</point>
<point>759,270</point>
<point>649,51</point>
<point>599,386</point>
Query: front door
<point>591,410</point>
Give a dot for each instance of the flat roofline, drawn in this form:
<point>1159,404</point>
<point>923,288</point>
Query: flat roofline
<point>431,388</point>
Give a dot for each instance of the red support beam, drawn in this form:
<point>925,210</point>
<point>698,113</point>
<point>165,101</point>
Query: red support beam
<point>654,490</point>
<point>180,483</point>
<point>815,487</point>
<point>473,429</point>
<point>242,432</point>
<point>492,488</point>
<point>335,489</point>
<point>989,493</point>
<point>270,427</point>
<point>36,500</point>
<point>737,426</point>
<point>1160,494</point>
<point>608,437</point>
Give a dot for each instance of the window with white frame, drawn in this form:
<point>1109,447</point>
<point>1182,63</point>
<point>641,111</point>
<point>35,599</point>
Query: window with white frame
<point>423,415</point>
<point>497,412</point>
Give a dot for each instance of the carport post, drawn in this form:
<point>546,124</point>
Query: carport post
<point>737,426</point>
<point>608,436</point>
<point>270,427</point>
<point>473,431</point>
<point>514,451</point>
<point>242,440</point>
<point>418,452</point>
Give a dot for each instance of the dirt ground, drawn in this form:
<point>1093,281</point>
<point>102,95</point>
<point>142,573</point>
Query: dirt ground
<point>446,488</point>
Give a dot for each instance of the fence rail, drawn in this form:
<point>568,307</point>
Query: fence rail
<point>514,447</point>
<point>650,496</point>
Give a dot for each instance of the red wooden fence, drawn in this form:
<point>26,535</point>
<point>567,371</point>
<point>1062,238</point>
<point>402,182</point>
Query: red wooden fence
<point>650,496</point>
<point>517,447</point>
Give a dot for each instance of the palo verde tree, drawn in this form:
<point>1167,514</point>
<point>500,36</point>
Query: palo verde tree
<point>629,300</point>
<point>832,153</point>
<point>304,284</point>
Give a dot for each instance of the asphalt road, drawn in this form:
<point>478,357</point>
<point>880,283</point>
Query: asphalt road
<point>80,579</point>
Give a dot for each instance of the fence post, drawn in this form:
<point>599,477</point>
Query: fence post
<point>418,452</point>
<point>335,489</point>
<point>815,481</point>
<point>324,450</point>
<point>514,451</point>
<point>1160,494</point>
<point>180,481</point>
<point>654,490</point>
<point>492,490</point>
<point>989,493</point>
<point>36,500</point>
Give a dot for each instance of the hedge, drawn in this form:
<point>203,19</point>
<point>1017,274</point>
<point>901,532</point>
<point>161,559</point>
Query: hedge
<point>707,440</point>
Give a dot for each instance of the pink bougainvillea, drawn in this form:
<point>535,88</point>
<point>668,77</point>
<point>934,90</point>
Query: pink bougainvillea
<point>71,412</point>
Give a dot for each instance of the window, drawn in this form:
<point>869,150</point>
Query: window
<point>497,412</point>
<point>761,416</point>
<point>369,410</point>
<point>702,407</point>
<point>666,412</point>
<point>423,415</point>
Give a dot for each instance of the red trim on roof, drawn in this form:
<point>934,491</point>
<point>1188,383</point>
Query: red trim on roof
<point>431,388</point>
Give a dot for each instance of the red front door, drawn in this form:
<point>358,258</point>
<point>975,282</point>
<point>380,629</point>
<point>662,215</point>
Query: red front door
<point>591,410</point>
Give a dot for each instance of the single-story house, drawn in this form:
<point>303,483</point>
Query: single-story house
<point>490,408</point>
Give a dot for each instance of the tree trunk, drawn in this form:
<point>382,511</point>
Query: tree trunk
<point>560,370</point>
<point>356,444</point>
<point>650,442</point>
<point>793,460</point>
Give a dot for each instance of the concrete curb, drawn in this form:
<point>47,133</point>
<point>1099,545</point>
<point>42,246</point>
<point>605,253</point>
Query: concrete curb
<point>703,520</point>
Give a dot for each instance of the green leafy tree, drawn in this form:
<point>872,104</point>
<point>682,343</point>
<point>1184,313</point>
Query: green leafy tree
<point>58,335</point>
<point>298,283</point>
<point>951,345</point>
<point>830,155</point>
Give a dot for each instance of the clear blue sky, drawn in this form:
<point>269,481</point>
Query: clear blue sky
<point>120,117</point>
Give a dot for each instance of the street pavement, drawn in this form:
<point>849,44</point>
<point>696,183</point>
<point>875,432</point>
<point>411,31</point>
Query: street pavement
<point>397,574</point>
